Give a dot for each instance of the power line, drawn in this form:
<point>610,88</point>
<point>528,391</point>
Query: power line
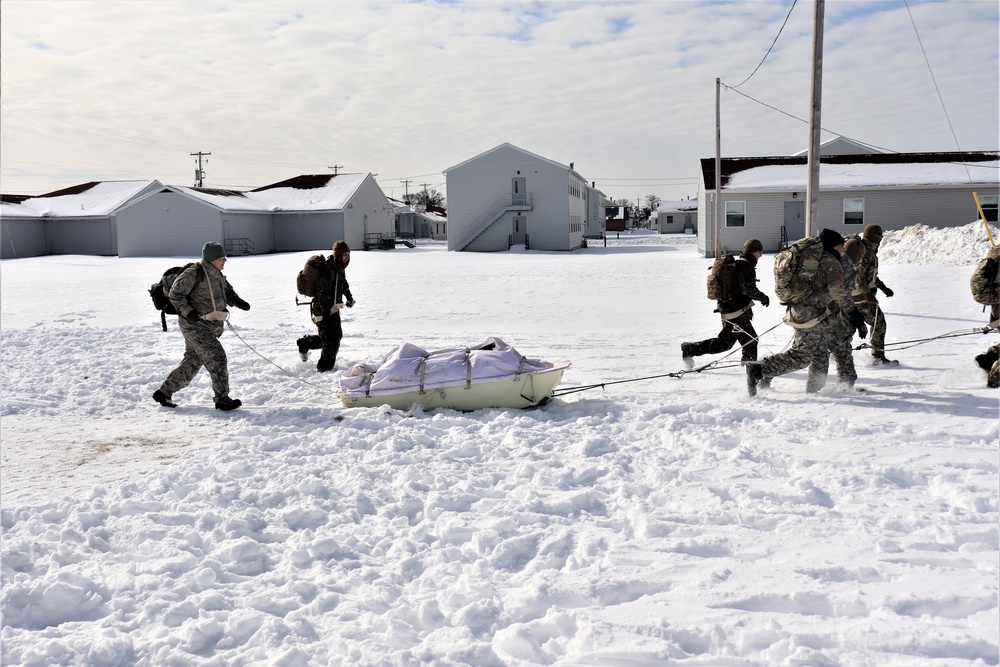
<point>785,22</point>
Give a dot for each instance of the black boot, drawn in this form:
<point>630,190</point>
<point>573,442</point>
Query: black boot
<point>686,355</point>
<point>226,404</point>
<point>879,359</point>
<point>755,376</point>
<point>303,348</point>
<point>163,399</point>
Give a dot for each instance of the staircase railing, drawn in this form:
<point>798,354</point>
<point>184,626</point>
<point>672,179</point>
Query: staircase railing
<point>242,246</point>
<point>495,211</point>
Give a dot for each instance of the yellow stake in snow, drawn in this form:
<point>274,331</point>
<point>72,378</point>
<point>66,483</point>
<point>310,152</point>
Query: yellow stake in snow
<point>982,217</point>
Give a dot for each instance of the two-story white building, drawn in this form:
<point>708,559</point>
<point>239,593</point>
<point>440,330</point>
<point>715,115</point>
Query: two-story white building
<point>509,196</point>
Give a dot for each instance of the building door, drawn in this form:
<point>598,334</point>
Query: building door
<point>795,220</point>
<point>520,227</point>
<point>517,196</point>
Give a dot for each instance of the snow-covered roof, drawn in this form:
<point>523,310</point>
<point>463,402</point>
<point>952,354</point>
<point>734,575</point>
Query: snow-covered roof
<point>791,177</point>
<point>842,146</point>
<point>323,192</point>
<point>874,170</point>
<point>94,199</point>
<point>682,205</point>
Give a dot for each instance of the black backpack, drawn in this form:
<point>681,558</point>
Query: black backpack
<point>159,290</point>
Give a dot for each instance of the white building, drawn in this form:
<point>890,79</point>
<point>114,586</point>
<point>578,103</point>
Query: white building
<point>80,220</point>
<point>508,196</point>
<point>677,217</point>
<point>765,197</point>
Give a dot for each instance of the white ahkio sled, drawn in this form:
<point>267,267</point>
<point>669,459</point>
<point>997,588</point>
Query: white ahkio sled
<point>490,375</point>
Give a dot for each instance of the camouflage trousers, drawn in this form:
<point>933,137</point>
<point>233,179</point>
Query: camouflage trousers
<point>875,319</point>
<point>201,348</point>
<point>839,337</point>
<point>330,333</point>
<point>989,361</point>
<point>810,347</point>
<point>738,329</point>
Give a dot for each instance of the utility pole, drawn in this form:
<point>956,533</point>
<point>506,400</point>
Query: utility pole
<point>813,160</point>
<point>335,168</point>
<point>406,185</point>
<point>199,173</point>
<point>718,166</point>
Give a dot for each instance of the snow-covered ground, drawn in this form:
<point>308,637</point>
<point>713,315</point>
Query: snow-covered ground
<point>670,520</point>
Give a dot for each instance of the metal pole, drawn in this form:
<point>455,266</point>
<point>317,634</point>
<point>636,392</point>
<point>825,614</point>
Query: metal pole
<point>813,160</point>
<point>718,167</point>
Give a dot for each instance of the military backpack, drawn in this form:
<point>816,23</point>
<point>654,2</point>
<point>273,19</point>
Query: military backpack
<point>984,279</point>
<point>722,279</point>
<point>795,270</point>
<point>160,290</point>
<point>307,282</point>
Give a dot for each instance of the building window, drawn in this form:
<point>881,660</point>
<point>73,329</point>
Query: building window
<point>989,204</point>
<point>670,219</point>
<point>736,214</point>
<point>854,211</point>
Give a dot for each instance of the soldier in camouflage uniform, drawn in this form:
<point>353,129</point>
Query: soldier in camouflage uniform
<point>865,291</point>
<point>841,331</point>
<point>200,294</point>
<point>811,321</point>
<point>736,313</point>
<point>985,286</point>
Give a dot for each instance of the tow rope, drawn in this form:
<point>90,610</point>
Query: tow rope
<point>280,368</point>
<point>907,344</point>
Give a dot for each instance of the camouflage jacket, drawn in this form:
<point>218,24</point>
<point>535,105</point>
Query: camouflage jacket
<point>986,284</point>
<point>864,288</point>
<point>830,289</point>
<point>192,294</point>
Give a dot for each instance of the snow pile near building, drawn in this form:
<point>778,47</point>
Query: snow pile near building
<point>953,246</point>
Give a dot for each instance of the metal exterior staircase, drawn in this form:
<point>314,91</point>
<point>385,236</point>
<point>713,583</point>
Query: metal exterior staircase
<point>507,202</point>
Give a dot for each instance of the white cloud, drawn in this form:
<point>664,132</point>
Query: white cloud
<point>116,90</point>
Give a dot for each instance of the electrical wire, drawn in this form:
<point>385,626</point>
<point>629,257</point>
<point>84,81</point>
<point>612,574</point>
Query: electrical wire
<point>794,2</point>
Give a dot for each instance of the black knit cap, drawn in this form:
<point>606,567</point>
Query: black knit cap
<point>753,245</point>
<point>339,248</point>
<point>830,239</point>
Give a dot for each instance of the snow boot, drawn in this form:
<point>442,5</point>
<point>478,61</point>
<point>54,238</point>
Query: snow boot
<point>686,356</point>
<point>303,350</point>
<point>163,399</point>
<point>755,376</point>
<point>226,404</point>
<point>879,359</point>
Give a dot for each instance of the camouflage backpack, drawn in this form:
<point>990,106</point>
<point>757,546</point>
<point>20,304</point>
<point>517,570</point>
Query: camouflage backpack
<point>722,279</point>
<point>795,270</point>
<point>984,280</point>
<point>307,281</point>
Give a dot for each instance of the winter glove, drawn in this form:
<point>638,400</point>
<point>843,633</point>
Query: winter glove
<point>241,304</point>
<point>765,300</point>
<point>885,290</point>
<point>350,303</point>
<point>858,322</point>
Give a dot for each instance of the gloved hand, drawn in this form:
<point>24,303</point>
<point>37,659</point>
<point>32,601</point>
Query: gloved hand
<point>350,303</point>
<point>885,290</point>
<point>765,300</point>
<point>241,304</point>
<point>858,321</point>
<point>192,316</point>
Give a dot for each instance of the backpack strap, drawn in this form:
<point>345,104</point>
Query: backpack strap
<point>163,319</point>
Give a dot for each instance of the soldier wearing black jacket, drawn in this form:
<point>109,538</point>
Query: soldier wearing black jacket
<point>332,294</point>
<point>736,313</point>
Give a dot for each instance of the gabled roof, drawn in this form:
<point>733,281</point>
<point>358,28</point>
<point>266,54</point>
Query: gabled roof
<point>520,150</point>
<point>682,205</point>
<point>322,192</point>
<point>87,200</point>
<point>842,146</point>
<point>856,171</point>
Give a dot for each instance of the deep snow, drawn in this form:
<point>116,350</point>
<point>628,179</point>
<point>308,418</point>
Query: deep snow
<point>665,521</point>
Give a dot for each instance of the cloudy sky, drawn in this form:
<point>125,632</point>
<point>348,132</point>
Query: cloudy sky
<point>624,90</point>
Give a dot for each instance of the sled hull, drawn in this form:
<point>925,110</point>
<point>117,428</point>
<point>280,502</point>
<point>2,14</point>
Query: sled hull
<point>519,392</point>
